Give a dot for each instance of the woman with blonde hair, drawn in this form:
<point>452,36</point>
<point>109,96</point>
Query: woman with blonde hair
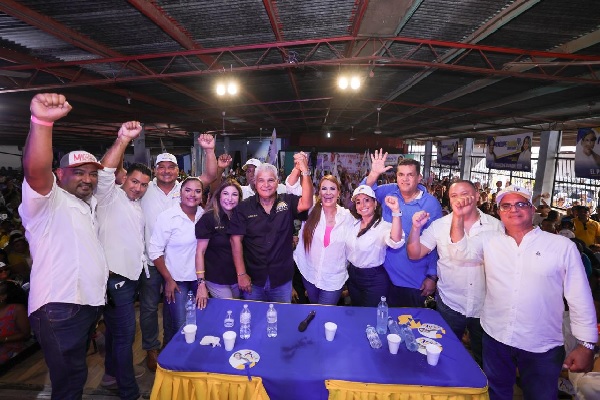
<point>320,254</point>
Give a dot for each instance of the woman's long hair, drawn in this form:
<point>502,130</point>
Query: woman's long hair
<point>315,214</point>
<point>215,202</point>
<point>374,222</point>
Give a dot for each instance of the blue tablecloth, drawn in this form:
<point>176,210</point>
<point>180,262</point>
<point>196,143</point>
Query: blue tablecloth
<point>294,365</point>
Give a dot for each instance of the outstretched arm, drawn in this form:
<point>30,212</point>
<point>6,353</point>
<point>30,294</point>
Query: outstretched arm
<point>306,201</point>
<point>377,166</point>
<point>46,108</point>
<point>114,156</point>
<point>207,142</point>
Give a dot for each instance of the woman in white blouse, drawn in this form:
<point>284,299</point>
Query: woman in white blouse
<point>320,254</point>
<point>173,250</point>
<point>367,241</point>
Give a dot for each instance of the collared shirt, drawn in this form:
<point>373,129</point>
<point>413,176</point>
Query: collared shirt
<point>281,189</point>
<point>525,286</point>
<point>68,260</point>
<point>369,250</point>
<point>461,289</point>
<point>174,238</point>
<point>587,234</point>
<point>154,202</point>
<point>121,227</point>
<point>325,267</point>
<point>267,240</point>
<point>404,272</point>
<point>218,257</point>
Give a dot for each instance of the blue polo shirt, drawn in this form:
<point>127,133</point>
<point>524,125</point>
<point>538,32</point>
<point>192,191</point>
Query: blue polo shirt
<point>404,272</point>
<point>267,244</point>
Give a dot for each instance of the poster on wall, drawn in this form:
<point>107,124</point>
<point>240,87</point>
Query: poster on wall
<point>511,152</point>
<point>587,153</point>
<point>447,152</point>
<point>351,163</point>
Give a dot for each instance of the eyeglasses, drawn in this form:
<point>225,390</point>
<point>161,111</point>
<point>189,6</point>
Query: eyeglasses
<point>521,205</point>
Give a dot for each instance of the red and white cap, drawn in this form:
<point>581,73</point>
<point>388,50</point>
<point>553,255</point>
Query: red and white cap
<point>77,158</point>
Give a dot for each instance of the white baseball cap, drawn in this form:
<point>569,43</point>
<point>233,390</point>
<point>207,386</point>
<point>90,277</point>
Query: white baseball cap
<point>78,157</point>
<point>363,189</point>
<point>521,191</point>
<point>252,161</point>
<point>165,157</point>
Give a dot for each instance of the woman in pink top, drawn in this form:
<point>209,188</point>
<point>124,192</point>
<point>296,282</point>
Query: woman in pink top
<point>320,254</point>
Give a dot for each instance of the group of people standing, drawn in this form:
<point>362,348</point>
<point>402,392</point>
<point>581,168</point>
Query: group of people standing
<point>97,230</point>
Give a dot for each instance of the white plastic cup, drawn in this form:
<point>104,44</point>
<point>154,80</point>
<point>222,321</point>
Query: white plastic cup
<point>330,329</point>
<point>190,333</point>
<point>393,342</point>
<point>433,354</point>
<point>229,340</point>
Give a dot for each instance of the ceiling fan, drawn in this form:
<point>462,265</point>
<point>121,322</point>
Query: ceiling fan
<point>377,130</point>
<point>222,131</point>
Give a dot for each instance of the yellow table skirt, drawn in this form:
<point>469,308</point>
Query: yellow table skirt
<point>344,390</point>
<point>180,385</point>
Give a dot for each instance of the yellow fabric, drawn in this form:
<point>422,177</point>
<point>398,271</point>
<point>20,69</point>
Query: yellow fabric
<point>589,234</point>
<point>344,390</point>
<point>178,385</point>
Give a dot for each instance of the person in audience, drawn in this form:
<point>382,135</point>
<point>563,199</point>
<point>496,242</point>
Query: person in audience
<point>261,230</point>
<point>214,259</point>
<point>163,193</point>
<point>461,291</point>
<point>527,273</point>
<point>540,214</point>
<point>172,249</point>
<point>121,233</point>
<point>367,241</point>
<point>548,226</point>
<point>566,228</point>
<point>320,254</point>
<point>411,281</point>
<point>14,326</point>
<point>586,229</point>
<point>69,271</point>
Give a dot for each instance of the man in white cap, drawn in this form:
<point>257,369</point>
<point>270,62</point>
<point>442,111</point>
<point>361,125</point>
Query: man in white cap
<point>162,194</point>
<point>528,272</point>
<point>289,187</point>
<point>69,272</point>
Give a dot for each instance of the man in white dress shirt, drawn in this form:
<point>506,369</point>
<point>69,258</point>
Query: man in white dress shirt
<point>69,272</point>
<point>528,272</point>
<point>121,232</point>
<point>460,290</point>
<point>163,193</point>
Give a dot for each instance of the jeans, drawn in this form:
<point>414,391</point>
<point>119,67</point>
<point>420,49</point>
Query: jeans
<point>367,285</point>
<point>539,372</point>
<point>64,331</point>
<point>223,291</point>
<point>177,308</point>
<point>399,296</point>
<point>458,323</point>
<point>280,294</point>
<point>149,299</point>
<point>320,296</point>
<point>119,317</point>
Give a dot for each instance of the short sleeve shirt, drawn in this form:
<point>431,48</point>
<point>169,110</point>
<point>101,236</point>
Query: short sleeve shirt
<point>218,258</point>
<point>267,240</point>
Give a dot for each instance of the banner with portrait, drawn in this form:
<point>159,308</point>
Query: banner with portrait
<point>511,152</point>
<point>587,153</point>
<point>447,152</point>
<point>351,163</point>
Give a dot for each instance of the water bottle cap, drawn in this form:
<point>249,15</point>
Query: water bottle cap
<point>271,306</point>
<point>245,305</point>
<point>382,298</point>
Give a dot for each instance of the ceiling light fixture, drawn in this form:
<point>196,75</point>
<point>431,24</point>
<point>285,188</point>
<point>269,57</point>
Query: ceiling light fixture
<point>328,135</point>
<point>352,82</point>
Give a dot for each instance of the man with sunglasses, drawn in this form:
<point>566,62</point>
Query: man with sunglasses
<point>586,229</point>
<point>528,272</point>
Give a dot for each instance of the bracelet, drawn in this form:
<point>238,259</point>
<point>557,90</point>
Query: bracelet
<point>41,122</point>
<point>200,272</point>
<point>397,214</point>
<point>242,274</point>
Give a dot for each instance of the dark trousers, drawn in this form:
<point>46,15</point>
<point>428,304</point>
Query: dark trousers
<point>405,297</point>
<point>539,372</point>
<point>458,323</point>
<point>367,285</point>
<point>64,331</point>
<point>119,317</point>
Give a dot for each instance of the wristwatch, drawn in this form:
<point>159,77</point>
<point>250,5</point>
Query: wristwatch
<point>587,345</point>
<point>397,214</point>
<point>307,173</point>
<point>201,281</point>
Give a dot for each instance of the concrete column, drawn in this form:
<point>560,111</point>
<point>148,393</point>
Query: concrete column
<point>465,162</point>
<point>550,142</point>
<point>197,156</point>
<point>140,155</point>
<point>427,159</point>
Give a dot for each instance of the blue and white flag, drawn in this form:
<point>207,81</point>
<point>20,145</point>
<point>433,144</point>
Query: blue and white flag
<point>272,157</point>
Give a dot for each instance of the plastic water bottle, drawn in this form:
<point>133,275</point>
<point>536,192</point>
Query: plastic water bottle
<point>190,309</point>
<point>245,318</point>
<point>393,327</point>
<point>271,321</point>
<point>228,321</point>
<point>382,316</point>
<point>408,337</point>
<point>373,337</point>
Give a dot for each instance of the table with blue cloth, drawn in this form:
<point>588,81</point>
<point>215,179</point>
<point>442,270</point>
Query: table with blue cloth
<point>303,365</point>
